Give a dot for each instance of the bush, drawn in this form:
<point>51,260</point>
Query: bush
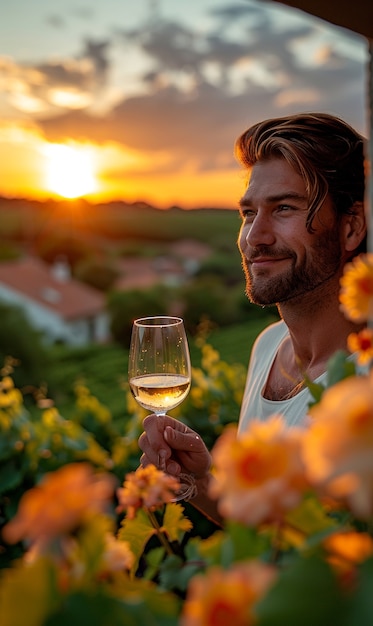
<point>96,274</point>
<point>126,306</point>
<point>20,341</point>
<point>225,266</point>
<point>208,298</point>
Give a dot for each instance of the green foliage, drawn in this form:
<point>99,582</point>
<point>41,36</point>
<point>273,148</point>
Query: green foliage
<point>59,245</point>
<point>101,368</point>
<point>96,274</point>
<point>30,448</point>
<point>223,265</point>
<point>287,604</point>
<point>136,248</point>
<point>76,578</point>
<point>339,367</point>
<point>8,252</point>
<point>20,341</point>
<point>209,299</point>
<point>124,222</point>
<point>125,306</point>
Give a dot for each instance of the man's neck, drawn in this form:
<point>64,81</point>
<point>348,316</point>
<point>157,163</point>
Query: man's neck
<point>317,327</point>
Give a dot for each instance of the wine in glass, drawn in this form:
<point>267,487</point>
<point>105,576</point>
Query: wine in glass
<point>159,372</point>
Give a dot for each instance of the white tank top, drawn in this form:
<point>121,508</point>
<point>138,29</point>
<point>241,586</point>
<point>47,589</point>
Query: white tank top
<point>254,405</point>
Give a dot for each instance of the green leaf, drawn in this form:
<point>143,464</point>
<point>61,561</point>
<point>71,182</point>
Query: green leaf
<point>175,524</point>
<point>137,532</point>
<point>339,367</point>
<point>210,549</point>
<point>306,594</point>
<point>361,610</point>
<point>316,389</point>
<point>310,517</point>
<point>246,542</point>
<point>91,545</point>
<point>134,609</point>
<point>154,559</point>
<point>10,475</point>
<point>28,591</point>
<point>237,543</point>
<point>175,575</point>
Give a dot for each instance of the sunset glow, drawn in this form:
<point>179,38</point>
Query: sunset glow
<point>149,111</point>
<point>69,171</point>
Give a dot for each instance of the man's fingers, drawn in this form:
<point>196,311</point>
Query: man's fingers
<point>181,440</point>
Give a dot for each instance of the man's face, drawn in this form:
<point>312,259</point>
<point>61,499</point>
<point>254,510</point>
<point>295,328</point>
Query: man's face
<point>281,259</point>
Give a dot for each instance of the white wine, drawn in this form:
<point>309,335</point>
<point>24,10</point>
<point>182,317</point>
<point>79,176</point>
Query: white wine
<point>159,392</point>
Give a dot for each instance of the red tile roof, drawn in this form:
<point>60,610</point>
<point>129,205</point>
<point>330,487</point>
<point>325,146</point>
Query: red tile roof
<point>37,281</point>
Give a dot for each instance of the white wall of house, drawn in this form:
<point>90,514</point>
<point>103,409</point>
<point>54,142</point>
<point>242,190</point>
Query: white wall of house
<point>53,327</point>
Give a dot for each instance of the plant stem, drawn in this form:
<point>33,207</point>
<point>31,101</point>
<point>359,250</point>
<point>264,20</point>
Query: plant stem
<point>161,535</point>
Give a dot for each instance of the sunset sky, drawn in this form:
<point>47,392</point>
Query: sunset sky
<point>142,100</point>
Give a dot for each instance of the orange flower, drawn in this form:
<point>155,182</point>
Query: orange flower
<point>338,446</point>
<point>224,597</point>
<point>350,545</point>
<point>59,504</point>
<point>259,476</point>
<point>356,295</point>
<point>346,550</point>
<point>362,343</point>
<point>147,488</point>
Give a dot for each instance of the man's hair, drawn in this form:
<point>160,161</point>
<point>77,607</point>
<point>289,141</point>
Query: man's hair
<point>323,149</point>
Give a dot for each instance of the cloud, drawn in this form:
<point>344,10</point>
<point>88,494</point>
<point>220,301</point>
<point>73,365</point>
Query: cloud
<point>56,84</point>
<point>56,21</point>
<point>197,90</point>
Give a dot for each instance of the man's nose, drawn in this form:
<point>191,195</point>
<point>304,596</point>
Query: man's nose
<point>259,231</point>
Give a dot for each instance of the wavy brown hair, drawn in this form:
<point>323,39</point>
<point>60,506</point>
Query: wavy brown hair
<point>325,150</point>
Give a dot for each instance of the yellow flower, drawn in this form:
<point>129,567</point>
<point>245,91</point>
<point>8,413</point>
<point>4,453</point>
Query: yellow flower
<point>6,384</point>
<point>59,504</point>
<point>227,597</point>
<point>210,357</point>
<point>362,344</point>
<point>259,476</point>
<point>356,295</point>
<point>338,445</point>
<point>10,397</point>
<point>147,488</point>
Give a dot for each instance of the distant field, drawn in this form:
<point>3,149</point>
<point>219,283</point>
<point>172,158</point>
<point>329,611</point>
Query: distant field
<point>20,219</point>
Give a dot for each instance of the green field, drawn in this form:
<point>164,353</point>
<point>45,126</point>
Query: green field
<point>115,222</point>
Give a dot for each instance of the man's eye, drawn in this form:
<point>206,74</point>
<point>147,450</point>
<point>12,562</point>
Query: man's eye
<point>248,215</point>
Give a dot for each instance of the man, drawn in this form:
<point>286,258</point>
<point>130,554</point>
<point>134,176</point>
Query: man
<point>302,220</point>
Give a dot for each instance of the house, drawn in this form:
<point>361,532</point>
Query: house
<point>180,260</point>
<point>63,309</point>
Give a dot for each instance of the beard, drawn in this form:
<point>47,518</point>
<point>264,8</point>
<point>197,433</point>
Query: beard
<point>321,262</point>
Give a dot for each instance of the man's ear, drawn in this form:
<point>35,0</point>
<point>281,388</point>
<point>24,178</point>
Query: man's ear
<point>355,227</point>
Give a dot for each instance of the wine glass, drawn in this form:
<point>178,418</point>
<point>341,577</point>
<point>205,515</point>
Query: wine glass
<point>159,373</point>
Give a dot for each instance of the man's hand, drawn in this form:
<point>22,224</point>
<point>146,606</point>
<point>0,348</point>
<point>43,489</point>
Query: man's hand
<point>173,447</point>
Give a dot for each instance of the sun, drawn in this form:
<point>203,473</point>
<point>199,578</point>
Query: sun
<point>70,170</point>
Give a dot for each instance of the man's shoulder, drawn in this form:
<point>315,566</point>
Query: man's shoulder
<point>272,333</point>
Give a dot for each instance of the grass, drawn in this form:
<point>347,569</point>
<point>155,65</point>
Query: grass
<point>234,343</point>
